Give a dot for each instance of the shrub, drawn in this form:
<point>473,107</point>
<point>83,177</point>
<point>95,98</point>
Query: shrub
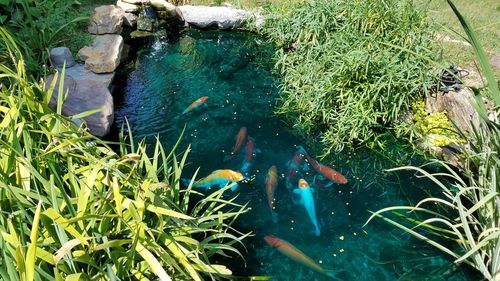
<point>469,211</point>
<point>349,67</point>
<point>73,208</point>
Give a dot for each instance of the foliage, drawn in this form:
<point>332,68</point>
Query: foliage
<point>72,208</point>
<point>472,200</point>
<point>349,67</point>
<point>41,25</point>
<point>431,129</point>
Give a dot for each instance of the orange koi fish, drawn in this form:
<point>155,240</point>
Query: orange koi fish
<point>327,172</point>
<point>240,139</point>
<point>295,254</point>
<point>196,104</point>
<point>219,178</point>
<point>271,184</point>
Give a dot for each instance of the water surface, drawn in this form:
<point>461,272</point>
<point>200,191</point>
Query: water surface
<point>233,69</point>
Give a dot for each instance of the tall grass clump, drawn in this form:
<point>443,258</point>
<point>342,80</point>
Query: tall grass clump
<point>349,67</point>
<point>71,208</point>
<point>468,212</point>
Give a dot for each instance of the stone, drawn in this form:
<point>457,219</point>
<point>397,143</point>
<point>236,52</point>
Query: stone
<point>162,5</point>
<point>79,72</point>
<point>106,19</point>
<point>104,54</point>
<point>129,19</point>
<point>140,34</point>
<point>127,7</point>
<point>457,105</point>
<point>60,55</point>
<point>144,23</point>
<point>213,17</point>
<point>495,61</point>
<point>83,96</point>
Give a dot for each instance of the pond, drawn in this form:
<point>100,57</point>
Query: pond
<point>233,70</point>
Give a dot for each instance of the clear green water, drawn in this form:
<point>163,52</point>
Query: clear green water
<point>233,70</point>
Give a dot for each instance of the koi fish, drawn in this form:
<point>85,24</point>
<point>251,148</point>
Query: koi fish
<point>271,184</point>
<point>250,152</point>
<point>196,104</point>
<point>240,140</point>
<point>306,199</point>
<point>294,167</point>
<point>327,172</point>
<point>219,178</point>
<point>295,254</point>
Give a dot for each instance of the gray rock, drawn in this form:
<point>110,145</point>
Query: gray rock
<point>83,96</point>
<point>127,7</point>
<point>209,17</point>
<point>129,19</point>
<point>144,23</point>
<point>79,72</point>
<point>60,55</point>
<point>106,20</point>
<point>495,61</point>
<point>457,106</point>
<point>104,54</point>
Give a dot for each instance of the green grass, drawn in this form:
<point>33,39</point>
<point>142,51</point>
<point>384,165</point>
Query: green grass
<point>484,18</point>
<point>71,208</point>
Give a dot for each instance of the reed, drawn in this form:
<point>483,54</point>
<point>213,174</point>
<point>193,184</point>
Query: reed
<point>464,221</point>
<point>72,208</point>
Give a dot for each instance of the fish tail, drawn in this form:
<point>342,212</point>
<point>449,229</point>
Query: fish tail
<point>187,182</point>
<point>332,274</point>
<point>317,232</point>
<point>274,216</point>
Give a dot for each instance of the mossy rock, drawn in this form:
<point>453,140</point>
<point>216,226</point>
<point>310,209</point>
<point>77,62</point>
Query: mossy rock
<point>140,34</point>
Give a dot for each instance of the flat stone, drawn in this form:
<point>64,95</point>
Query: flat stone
<point>104,54</point>
<point>213,17</point>
<point>457,106</point>
<point>83,96</point>
<point>79,72</point>
<point>129,19</point>
<point>140,34</point>
<point>127,7</point>
<point>106,19</point>
<point>162,5</point>
<point>144,23</point>
<point>60,55</point>
<point>495,61</point>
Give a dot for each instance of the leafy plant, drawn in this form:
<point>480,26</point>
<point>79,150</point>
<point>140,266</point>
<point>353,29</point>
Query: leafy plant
<point>39,26</point>
<point>72,208</point>
<point>471,200</point>
<point>348,68</point>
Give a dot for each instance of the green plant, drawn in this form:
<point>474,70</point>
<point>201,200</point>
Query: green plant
<point>71,208</point>
<point>39,26</point>
<point>469,212</point>
<point>349,68</point>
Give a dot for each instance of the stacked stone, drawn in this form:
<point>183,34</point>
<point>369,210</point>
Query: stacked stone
<point>88,84</point>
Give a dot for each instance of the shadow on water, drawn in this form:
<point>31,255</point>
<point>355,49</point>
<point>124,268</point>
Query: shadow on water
<point>233,70</point>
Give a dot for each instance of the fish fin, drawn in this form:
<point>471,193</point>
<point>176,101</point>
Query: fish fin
<point>332,273</point>
<point>274,217</point>
<point>187,182</point>
<point>302,149</point>
<point>228,157</point>
<point>234,186</point>
<point>296,191</point>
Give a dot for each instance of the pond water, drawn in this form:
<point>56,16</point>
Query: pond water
<point>233,70</point>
